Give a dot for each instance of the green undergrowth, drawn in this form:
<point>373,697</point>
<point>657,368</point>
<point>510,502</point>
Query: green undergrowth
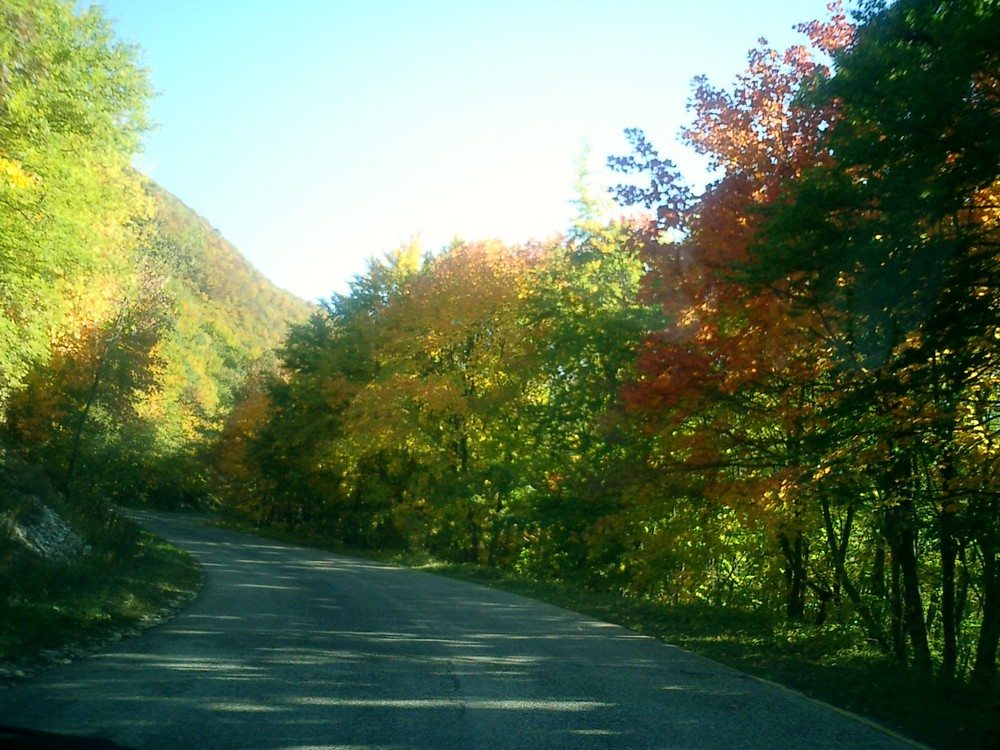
<point>127,581</point>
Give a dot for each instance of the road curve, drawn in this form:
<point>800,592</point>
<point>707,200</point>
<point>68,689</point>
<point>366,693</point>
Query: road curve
<point>292,648</point>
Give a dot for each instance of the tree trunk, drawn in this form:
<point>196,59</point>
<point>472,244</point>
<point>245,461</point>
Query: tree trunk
<point>877,581</point>
<point>81,422</point>
<point>838,549</point>
<point>902,539</point>
<point>949,611</point>
<point>984,669</point>
<point>795,575</point>
<point>896,612</point>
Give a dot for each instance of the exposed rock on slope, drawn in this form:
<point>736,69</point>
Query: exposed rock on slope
<point>40,530</point>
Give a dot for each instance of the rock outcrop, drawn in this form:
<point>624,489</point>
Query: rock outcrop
<point>40,530</point>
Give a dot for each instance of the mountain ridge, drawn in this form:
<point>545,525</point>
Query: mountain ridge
<point>222,272</point>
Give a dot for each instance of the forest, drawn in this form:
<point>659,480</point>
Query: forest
<point>778,393</point>
<point>781,393</point>
<point>129,324</point>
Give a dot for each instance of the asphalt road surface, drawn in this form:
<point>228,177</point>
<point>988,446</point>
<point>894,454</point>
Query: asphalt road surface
<point>292,648</point>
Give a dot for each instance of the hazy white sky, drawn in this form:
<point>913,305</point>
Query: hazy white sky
<point>317,133</point>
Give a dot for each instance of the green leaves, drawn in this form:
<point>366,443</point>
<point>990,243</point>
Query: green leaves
<point>120,343</point>
<point>432,406</point>
<point>71,114</point>
<point>892,240</point>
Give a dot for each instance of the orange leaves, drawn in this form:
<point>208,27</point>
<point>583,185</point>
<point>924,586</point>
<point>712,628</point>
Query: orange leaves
<point>448,342</point>
<point>673,376</point>
<point>242,427</point>
<point>832,36</point>
<point>760,134</point>
<point>756,129</point>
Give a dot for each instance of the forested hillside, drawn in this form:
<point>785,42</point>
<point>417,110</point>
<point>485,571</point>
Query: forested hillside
<point>129,324</point>
<point>227,321</point>
<point>212,275</point>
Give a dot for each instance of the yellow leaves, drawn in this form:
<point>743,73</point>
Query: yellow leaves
<point>91,301</point>
<point>984,212</point>
<point>248,416</point>
<point>14,174</point>
<point>821,472</point>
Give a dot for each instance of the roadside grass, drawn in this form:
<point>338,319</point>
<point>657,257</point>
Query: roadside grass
<point>53,609</point>
<point>824,663</point>
<point>113,578</point>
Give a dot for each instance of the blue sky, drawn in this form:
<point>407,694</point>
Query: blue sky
<point>315,134</point>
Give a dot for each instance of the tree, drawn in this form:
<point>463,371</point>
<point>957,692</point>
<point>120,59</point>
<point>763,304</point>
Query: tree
<point>72,106</point>
<point>894,236</point>
<point>587,321</point>
<point>289,430</point>
<point>79,403</point>
<point>450,365</point>
<point>728,384</point>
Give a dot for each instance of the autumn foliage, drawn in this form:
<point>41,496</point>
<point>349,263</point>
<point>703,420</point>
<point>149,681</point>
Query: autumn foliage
<point>780,393</point>
<point>832,342</point>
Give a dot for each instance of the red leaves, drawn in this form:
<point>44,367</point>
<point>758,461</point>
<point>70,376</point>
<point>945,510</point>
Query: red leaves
<point>834,35</point>
<point>724,336</point>
<point>676,379</point>
<point>729,388</point>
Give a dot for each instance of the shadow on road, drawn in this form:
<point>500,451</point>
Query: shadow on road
<point>290,648</point>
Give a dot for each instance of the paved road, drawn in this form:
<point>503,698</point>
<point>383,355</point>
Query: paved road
<point>292,648</point>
